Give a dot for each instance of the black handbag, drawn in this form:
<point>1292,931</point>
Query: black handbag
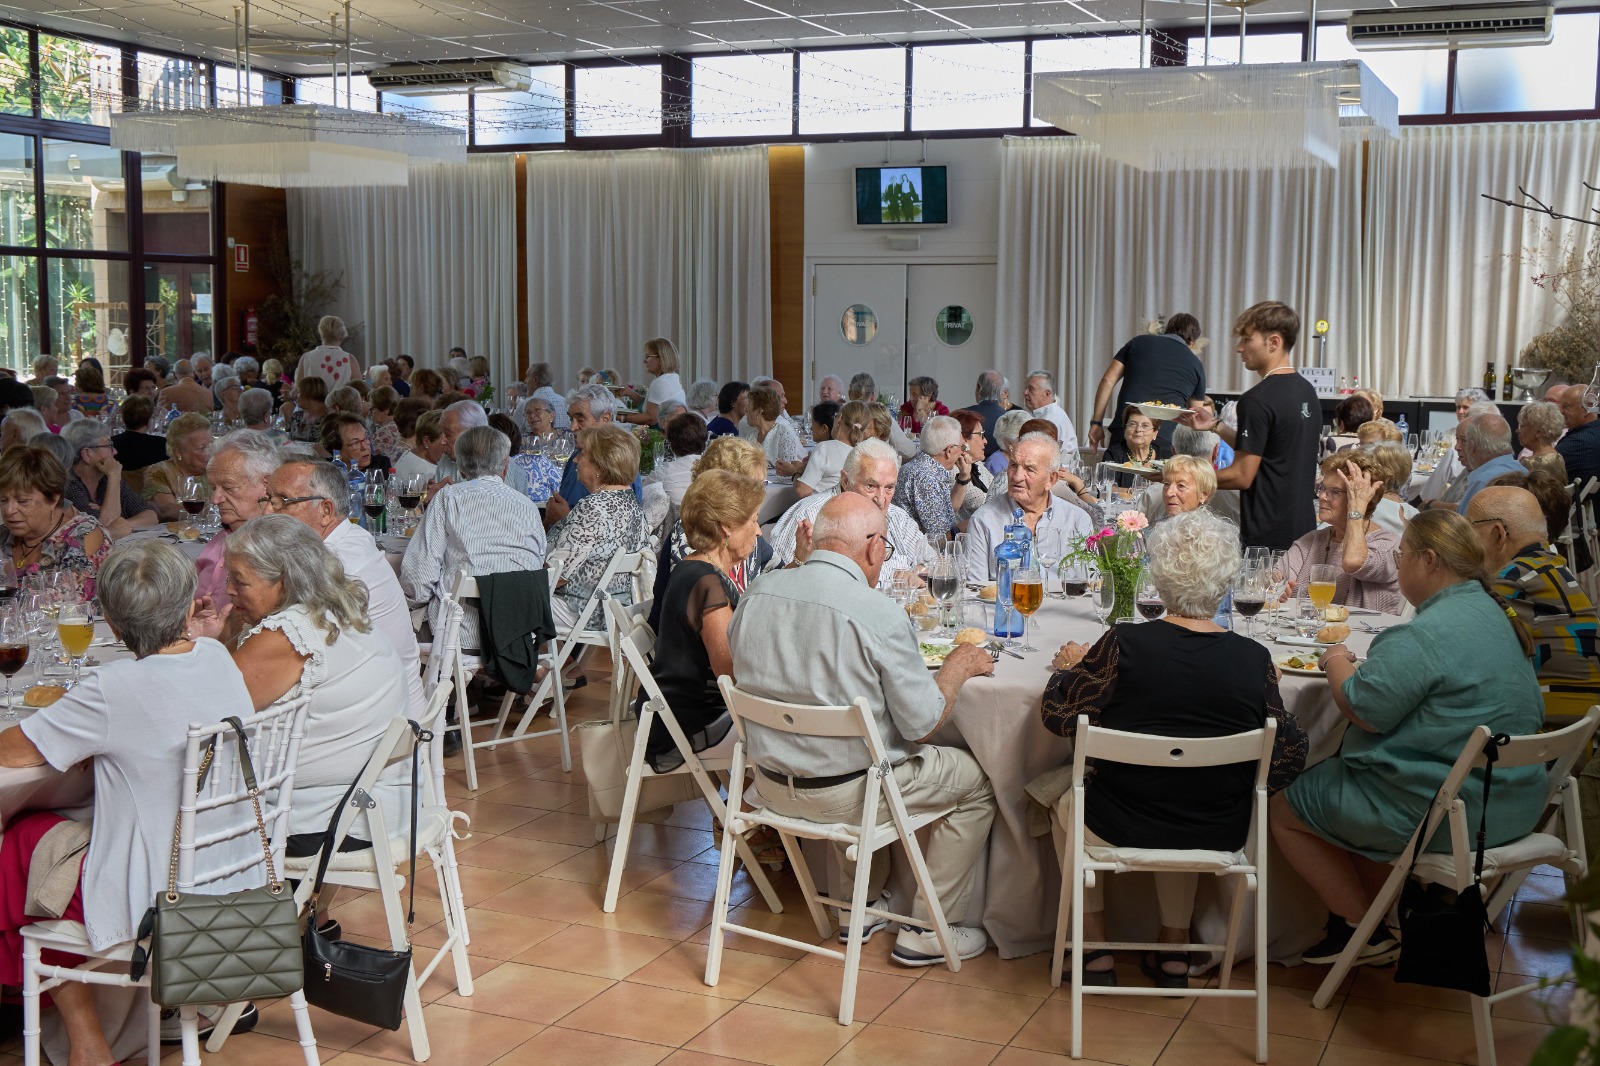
<point>1442,939</point>
<point>365,984</point>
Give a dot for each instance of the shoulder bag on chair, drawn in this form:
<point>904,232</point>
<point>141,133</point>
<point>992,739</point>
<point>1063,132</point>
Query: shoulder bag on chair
<point>355,981</point>
<point>222,948</point>
<point>1442,940</point>
<point>607,749</point>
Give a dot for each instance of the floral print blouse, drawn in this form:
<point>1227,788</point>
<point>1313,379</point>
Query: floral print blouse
<point>544,477</point>
<point>602,524</point>
<point>65,549</point>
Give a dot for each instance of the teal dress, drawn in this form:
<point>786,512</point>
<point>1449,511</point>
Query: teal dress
<point>1424,687</point>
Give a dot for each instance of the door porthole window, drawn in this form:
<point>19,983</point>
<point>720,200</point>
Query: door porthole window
<point>953,326</point>
<point>859,324</point>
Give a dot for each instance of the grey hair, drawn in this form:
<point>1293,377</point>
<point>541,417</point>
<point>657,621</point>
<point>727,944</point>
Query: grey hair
<point>246,362</point>
<point>765,383</point>
<point>28,421</point>
<point>220,378</point>
<point>1008,427</point>
<point>280,548</point>
<point>1193,557</point>
<point>601,403</point>
<point>324,479</point>
<point>1542,419</point>
<point>469,413</point>
<point>863,387</point>
<point>928,387</point>
<point>145,590</point>
<point>870,449</point>
<point>1487,435</point>
<point>1476,395</point>
<point>197,357</point>
<point>540,401</point>
<point>832,377</point>
<point>1048,441</point>
<point>1200,443</point>
<point>1048,378</point>
<point>1483,407</point>
<point>542,374</point>
<point>158,363</point>
<point>939,433</point>
<point>990,385</point>
<point>56,446</point>
<point>702,395</point>
<point>82,433</point>
<point>330,329</point>
<point>482,451</point>
<point>667,411</point>
<point>255,405</point>
<point>183,368</point>
<point>256,450</point>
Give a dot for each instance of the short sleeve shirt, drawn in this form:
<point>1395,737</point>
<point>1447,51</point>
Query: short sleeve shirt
<point>664,388</point>
<point>1280,420</point>
<point>1160,368</point>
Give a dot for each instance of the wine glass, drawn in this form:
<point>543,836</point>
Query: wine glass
<point>1047,553</point>
<point>1027,593</point>
<point>1075,575</point>
<point>1147,599</point>
<point>1323,585</point>
<point>14,646</point>
<point>410,496</point>
<point>1105,598</point>
<point>1250,595</point>
<point>375,501</point>
<point>1277,583</point>
<point>75,620</point>
<point>192,495</point>
<point>944,579</point>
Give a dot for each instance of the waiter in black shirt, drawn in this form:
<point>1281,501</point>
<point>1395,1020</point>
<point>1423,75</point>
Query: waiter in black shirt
<point>1152,367</point>
<point>1275,445</point>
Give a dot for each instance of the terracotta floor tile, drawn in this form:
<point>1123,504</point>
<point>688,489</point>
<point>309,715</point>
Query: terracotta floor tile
<point>1024,977</point>
<point>653,914</point>
<point>608,953</point>
<point>478,883</point>
<point>1548,921</point>
<point>362,918</point>
<point>572,829</point>
<point>593,866</point>
<point>1289,1013</point>
<point>455,787</point>
<point>1200,1044</point>
<point>684,968</point>
<point>532,993</point>
<point>545,795</point>
<point>496,935</point>
<point>518,855</point>
<point>1339,1055</point>
<point>696,880</point>
<point>691,815</point>
<point>569,1047</point>
<point>1378,983</point>
<point>775,1037</point>
<point>1016,1056</point>
<point>1115,1036</point>
<point>472,1037</point>
<point>815,989</point>
<point>883,1045</point>
<point>646,1013</point>
<point>1432,1033</point>
<point>491,818</point>
<point>549,898</point>
<point>967,1013</point>
<point>248,1049</point>
<point>277,1020</point>
<point>1549,1006</point>
<point>794,923</point>
<point>1130,976</point>
<point>1549,890</point>
<point>668,841</point>
<point>1532,957</point>
<point>350,1058</point>
<point>692,1058</point>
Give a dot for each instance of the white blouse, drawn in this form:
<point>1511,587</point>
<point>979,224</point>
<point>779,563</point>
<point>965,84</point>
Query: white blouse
<point>665,387</point>
<point>783,443</point>
<point>823,468</point>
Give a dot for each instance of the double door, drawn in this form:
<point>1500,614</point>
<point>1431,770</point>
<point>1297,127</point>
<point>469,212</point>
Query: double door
<point>898,321</point>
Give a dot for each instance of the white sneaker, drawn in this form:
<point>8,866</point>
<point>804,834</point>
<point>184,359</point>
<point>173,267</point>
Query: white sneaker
<point>920,947</point>
<point>172,1027</point>
<point>871,924</point>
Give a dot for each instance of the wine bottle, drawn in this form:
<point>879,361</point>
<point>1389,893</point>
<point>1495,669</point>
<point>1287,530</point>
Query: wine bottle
<point>1506,386</point>
<point>1488,381</point>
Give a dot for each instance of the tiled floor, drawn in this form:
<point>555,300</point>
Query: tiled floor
<point>559,982</point>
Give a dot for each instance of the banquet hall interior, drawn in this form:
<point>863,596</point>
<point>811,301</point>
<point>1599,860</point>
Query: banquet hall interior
<point>866,237</point>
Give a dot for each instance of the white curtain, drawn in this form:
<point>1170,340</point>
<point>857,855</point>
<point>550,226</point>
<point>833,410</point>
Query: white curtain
<point>427,267</point>
<point>1448,291</point>
<point>626,246</point>
<point>1091,251</point>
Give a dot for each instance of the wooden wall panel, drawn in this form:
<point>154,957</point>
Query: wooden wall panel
<point>258,217</point>
<point>786,176</point>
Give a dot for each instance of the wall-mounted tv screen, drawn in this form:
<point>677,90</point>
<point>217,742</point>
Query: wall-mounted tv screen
<point>902,196</point>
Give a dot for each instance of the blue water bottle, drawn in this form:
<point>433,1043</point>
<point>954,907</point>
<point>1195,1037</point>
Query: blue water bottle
<point>1007,559</point>
<point>1400,424</point>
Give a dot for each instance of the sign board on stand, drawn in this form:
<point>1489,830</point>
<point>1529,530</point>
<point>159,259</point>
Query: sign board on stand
<point>1323,378</point>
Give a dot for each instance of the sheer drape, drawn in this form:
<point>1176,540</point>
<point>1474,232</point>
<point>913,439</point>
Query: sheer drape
<point>625,246</point>
<point>1090,251</point>
<point>427,267</point>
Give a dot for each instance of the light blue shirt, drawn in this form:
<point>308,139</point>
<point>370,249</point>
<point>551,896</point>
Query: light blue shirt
<point>1478,479</point>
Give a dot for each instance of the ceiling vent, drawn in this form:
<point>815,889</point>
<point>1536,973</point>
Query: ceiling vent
<point>425,79</point>
<point>1452,27</point>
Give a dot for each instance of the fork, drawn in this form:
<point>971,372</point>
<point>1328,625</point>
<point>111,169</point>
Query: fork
<point>1368,627</point>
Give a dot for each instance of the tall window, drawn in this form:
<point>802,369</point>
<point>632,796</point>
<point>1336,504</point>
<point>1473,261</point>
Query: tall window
<point>743,95</point>
<point>852,90</point>
<point>538,116</point>
<point>967,86</point>
<point>618,100</point>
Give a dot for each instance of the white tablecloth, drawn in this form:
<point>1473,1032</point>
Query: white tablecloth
<point>780,497</point>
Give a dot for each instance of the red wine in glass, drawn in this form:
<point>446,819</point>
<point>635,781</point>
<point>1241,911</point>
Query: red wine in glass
<point>1075,588</point>
<point>13,657</point>
<point>8,590</point>
<point>409,502</point>
<point>194,507</point>
<point>1249,608</point>
<point>1151,609</point>
<point>373,509</point>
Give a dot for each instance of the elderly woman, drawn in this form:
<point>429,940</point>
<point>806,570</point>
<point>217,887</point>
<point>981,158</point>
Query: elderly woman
<point>95,485</point>
<point>1391,464</point>
<point>249,371</point>
<point>661,363</point>
<point>733,402</point>
<point>141,382</point>
<point>1187,484</point>
<point>240,475</point>
<point>137,448</point>
<point>305,632</point>
<point>304,421</point>
<point>406,413</point>
<point>734,455</point>
<point>1379,429</point>
<point>1183,676</point>
<point>774,432</point>
<point>1462,662</point>
<point>427,385</point>
<point>90,388</point>
<point>255,411</point>
<point>977,448</point>
<point>607,520</point>
<point>345,436</point>
<point>1363,551</point>
<point>43,531</point>
<point>686,439</point>
<point>922,403</point>
<point>385,432</point>
<point>540,416</point>
<point>227,389</point>
<point>1007,431</point>
<point>1539,426</point>
<point>346,400</point>
<point>544,477</point>
<point>424,457</point>
<point>188,442</point>
<point>1137,446</point>
<point>130,717</point>
<point>851,425</point>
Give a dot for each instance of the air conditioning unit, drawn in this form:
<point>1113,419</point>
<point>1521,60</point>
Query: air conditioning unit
<point>452,76</point>
<point>1452,27</point>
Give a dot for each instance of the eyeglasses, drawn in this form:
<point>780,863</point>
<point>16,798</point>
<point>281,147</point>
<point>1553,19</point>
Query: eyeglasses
<point>1488,521</point>
<point>278,502</point>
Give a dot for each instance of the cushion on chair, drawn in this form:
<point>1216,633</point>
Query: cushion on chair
<point>1535,849</point>
<point>1148,858</point>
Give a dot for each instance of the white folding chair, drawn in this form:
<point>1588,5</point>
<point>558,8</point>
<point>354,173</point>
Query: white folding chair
<point>1081,864</point>
<point>636,644</point>
<point>1556,840</point>
<point>861,839</point>
<point>378,867</point>
<point>204,863</point>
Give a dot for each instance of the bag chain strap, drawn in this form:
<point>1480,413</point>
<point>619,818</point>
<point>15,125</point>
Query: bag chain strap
<point>273,884</point>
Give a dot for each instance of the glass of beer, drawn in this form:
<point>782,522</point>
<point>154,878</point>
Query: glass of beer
<point>1324,581</point>
<point>13,653</point>
<point>75,627</point>
<point>1027,593</point>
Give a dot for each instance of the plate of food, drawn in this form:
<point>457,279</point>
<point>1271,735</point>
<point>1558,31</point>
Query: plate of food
<point>1303,664</point>
<point>1151,469</point>
<point>1161,412</point>
<point>935,650</point>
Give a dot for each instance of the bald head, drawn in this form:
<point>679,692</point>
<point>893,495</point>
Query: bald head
<point>1507,520</point>
<point>1574,406</point>
<point>852,526</point>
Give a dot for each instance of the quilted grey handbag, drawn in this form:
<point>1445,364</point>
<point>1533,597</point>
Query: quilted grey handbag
<point>223,948</point>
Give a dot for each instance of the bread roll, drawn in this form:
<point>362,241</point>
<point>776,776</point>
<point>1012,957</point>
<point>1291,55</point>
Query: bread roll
<point>972,635</point>
<point>1336,613</point>
<point>1333,634</point>
<point>43,695</point>
<point>988,592</point>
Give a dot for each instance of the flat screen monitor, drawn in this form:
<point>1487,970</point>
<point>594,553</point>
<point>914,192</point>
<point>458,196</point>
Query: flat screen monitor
<point>902,196</point>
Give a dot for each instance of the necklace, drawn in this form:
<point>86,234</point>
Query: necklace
<point>29,549</point>
<point>1279,370</point>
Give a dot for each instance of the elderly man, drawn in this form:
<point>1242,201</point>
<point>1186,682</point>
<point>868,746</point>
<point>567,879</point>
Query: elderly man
<point>869,470</point>
<point>94,481</point>
<point>1034,470</point>
<point>1448,469</point>
<point>871,652</point>
<point>240,470</point>
<point>1484,442</point>
<point>187,394</point>
<point>587,405</point>
<point>1039,396</point>
<point>1545,594</point>
<point>831,390</point>
<point>315,493</point>
<point>22,425</point>
<point>329,361</point>
<point>539,380</point>
<point>1580,448</point>
<point>991,386</point>
<point>933,485</point>
<point>202,364</point>
<point>458,418</point>
<point>480,525</point>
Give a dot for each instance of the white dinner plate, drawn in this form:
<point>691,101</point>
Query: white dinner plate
<point>1282,662</point>
<point>1160,412</point>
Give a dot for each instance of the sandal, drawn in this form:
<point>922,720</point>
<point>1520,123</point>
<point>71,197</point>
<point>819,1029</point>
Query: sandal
<point>767,847</point>
<point>1097,978</point>
<point>1153,964</point>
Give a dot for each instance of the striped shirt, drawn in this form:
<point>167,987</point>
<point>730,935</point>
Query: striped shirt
<point>481,526</point>
<point>1547,597</point>
<point>909,549</point>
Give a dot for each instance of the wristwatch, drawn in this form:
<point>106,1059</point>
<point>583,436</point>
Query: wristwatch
<point>1096,422</point>
<point>960,481</point>
<point>1356,515</point>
